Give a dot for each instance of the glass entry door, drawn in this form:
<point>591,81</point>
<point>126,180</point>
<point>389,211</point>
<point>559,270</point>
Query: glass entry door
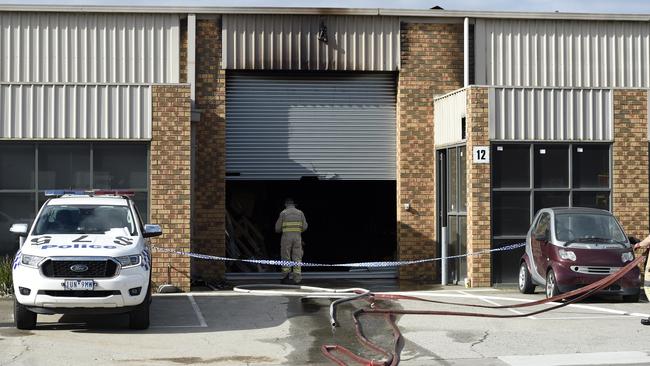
<point>452,207</point>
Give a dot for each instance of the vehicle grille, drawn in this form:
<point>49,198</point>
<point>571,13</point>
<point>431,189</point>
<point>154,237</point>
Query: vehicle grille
<point>96,269</point>
<point>595,270</point>
<point>56,293</point>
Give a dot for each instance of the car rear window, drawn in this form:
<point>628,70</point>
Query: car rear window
<point>85,219</point>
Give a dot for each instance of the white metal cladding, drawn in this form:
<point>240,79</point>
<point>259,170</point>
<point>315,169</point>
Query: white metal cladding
<point>89,48</point>
<point>330,125</point>
<point>518,114</point>
<point>562,53</point>
<point>448,113</point>
<point>290,42</point>
<point>47,111</point>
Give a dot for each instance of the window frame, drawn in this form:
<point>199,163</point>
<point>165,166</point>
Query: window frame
<point>37,191</point>
<point>531,183</point>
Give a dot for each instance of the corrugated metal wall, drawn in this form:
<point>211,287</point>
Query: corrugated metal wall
<point>448,113</point>
<point>89,48</point>
<point>551,114</point>
<point>562,53</point>
<point>330,125</point>
<point>290,42</point>
<point>46,111</point>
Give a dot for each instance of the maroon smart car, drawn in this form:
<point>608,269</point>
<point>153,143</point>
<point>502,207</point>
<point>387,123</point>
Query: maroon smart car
<point>567,248</point>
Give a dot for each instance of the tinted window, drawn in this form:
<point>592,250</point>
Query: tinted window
<point>591,199</point>
<point>552,166</point>
<point>505,157</point>
<point>17,162</point>
<point>14,208</point>
<point>550,199</point>
<point>120,166</point>
<point>591,166</point>
<point>64,167</point>
<point>511,213</point>
<point>452,174</point>
<point>462,177</point>
<point>85,219</point>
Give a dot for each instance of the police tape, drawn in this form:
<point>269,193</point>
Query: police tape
<point>283,263</point>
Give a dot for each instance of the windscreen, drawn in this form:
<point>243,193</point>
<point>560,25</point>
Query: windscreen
<point>86,219</point>
<point>592,228</point>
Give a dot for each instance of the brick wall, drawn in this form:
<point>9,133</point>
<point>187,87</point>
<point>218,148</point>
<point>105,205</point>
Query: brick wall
<point>630,161</point>
<point>431,64</point>
<point>170,176</point>
<point>182,53</point>
<point>210,159</point>
<point>479,232</point>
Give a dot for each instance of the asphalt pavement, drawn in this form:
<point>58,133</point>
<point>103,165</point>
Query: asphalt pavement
<point>226,328</point>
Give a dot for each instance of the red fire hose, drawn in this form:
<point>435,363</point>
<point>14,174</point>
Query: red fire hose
<point>392,357</point>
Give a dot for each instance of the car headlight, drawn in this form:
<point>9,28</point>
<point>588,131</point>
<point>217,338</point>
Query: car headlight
<point>31,260</point>
<point>627,257</point>
<point>129,260</point>
<point>567,254</point>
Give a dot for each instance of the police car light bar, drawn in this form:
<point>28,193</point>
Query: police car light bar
<point>112,192</point>
<point>62,192</point>
<point>97,192</point>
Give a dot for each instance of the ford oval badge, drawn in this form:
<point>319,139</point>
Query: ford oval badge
<point>79,268</point>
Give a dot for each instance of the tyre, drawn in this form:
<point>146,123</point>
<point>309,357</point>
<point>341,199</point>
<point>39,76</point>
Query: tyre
<point>631,298</point>
<point>552,289</point>
<point>23,317</point>
<point>139,318</point>
<point>525,281</point>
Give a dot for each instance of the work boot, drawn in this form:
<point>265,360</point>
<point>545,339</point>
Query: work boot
<point>645,321</point>
<point>285,280</point>
<point>297,278</point>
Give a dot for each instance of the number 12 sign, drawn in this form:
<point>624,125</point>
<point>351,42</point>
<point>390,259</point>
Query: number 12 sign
<point>481,154</point>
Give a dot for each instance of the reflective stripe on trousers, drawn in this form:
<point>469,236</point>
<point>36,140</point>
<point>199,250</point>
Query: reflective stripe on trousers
<point>646,279</point>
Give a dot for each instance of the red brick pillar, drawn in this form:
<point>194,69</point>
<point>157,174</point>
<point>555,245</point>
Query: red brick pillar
<point>431,64</point>
<point>630,162</point>
<point>169,192</point>
<point>210,159</point>
<point>479,230</point>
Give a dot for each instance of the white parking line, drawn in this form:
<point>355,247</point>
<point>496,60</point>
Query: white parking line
<point>491,302</point>
<point>197,311</point>
<point>597,358</point>
<point>514,299</point>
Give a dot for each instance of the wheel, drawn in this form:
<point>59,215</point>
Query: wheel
<point>23,318</point>
<point>552,289</point>
<point>139,318</point>
<point>631,298</point>
<point>525,282</point>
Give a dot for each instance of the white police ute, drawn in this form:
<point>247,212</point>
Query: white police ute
<point>86,252</point>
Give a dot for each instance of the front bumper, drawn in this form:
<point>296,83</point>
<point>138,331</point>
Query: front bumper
<point>110,294</point>
<point>568,280</point>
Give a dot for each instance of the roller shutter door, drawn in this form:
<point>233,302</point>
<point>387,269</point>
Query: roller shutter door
<point>330,125</point>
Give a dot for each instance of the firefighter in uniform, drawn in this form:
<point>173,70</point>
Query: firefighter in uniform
<point>645,243</point>
<point>291,224</point>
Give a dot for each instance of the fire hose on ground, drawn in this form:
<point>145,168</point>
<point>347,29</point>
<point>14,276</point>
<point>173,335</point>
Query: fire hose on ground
<point>342,296</point>
<point>392,357</point>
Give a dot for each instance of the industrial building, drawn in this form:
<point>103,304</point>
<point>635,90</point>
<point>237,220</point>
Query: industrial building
<point>402,134</point>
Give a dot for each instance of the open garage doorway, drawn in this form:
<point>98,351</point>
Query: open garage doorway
<point>351,221</point>
<point>325,139</point>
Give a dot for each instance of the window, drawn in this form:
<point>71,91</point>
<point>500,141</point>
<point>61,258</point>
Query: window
<point>65,166</point>
<point>543,224</point>
<point>529,177</point>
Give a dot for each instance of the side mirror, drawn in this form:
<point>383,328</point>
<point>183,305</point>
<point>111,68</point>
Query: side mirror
<point>633,240</point>
<point>19,229</point>
<point>542,237</point>
<point>151,230</point>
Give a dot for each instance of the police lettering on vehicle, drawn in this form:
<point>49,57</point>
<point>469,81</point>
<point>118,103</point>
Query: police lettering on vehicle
<point>78,246</point>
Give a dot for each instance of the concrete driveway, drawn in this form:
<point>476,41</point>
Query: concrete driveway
<point>225,328</point>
